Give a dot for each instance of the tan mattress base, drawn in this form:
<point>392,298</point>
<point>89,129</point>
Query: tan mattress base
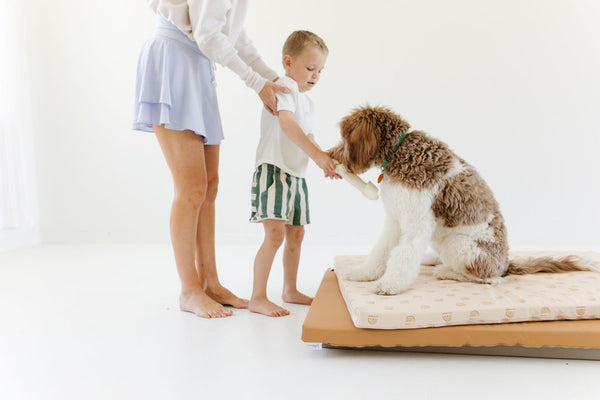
<point>328,323</point>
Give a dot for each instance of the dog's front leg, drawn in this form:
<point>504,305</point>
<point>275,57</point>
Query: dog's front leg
<point>404,262</point>
<point>375,264</point>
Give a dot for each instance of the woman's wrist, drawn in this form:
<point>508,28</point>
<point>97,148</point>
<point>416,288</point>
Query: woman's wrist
<point>260,85</point>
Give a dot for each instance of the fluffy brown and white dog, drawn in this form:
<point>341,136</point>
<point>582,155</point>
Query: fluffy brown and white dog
<point>430,197</point>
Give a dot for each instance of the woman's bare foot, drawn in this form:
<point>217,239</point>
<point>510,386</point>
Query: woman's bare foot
<point>294,296</point>
<point>265,307</point>
<point>225,297</point>
<point>202,305</point>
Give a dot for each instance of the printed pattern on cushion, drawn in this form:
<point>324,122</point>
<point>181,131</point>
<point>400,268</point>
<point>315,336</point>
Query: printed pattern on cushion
<point>431,302</point>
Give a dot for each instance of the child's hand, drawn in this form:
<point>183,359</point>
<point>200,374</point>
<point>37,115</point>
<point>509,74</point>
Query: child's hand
<point>333,176</point>
<point>326,163</point>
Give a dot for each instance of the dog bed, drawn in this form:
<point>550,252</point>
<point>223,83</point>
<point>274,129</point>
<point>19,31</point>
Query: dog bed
<point>430,302</point>
<point>328,323</point>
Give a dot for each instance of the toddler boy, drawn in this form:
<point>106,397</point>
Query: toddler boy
<point>279,190</point>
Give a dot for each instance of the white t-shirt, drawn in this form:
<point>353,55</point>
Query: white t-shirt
<point>274,146</point>
<point>217,27</point>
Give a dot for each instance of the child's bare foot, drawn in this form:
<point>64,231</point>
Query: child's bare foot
<point>225,297</point>
<point>202,305</point>
<point>265,307</point>
<point>294,296</point>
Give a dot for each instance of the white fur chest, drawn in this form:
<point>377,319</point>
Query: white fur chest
<point>401,202</point>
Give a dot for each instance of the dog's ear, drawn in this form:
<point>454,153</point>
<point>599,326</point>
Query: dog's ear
<point>362,143</point>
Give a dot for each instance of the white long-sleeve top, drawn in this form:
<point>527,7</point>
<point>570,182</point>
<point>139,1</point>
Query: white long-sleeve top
<point>217,27</point>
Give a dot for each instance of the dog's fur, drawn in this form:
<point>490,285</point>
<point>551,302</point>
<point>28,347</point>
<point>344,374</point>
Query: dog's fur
<point>430,196</point>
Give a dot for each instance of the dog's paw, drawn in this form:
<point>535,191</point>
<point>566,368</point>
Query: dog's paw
<point>387,287</point>
<point>493,281</point>
<point>443,272</point>
<point>431,258</point>
<point>358,274</point>
<point>362,273</point>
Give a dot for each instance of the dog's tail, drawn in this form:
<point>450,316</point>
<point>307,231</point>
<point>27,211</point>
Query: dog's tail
<point>569,263</point>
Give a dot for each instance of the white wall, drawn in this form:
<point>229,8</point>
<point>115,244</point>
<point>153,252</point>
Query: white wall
<point>19,219</point>
<point>511,85</point>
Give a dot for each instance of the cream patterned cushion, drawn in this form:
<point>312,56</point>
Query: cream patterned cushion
<point>430,302</point>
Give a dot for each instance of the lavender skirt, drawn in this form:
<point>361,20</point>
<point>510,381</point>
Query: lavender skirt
<point>175,86</point>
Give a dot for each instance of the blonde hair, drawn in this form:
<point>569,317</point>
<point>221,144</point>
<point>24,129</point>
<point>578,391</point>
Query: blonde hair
<point>298,41</point>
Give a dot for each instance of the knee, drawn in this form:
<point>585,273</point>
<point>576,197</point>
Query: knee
<point>212,189</point>
<point>274,236</point>
<point>191,197</point>
<point>294,237</point>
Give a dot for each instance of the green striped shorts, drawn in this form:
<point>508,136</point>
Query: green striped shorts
<point>279,195</point>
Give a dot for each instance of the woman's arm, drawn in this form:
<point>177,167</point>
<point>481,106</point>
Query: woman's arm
<point>207,23</point>
<point>248,52</point>
<point>207,19</point>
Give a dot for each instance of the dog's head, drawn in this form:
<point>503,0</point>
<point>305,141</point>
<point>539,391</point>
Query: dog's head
<point>366,134</point>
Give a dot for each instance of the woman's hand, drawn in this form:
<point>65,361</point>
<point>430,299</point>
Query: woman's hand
<point>267,95</point>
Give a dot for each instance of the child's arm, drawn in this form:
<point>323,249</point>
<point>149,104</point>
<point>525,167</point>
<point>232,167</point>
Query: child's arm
<point>311,137</point>
<point>335,175</point>
<point>296,135</point>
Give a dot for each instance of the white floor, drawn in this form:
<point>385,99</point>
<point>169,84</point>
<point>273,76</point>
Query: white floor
<point>102,322</point>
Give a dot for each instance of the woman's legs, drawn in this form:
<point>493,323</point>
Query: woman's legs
<point>274,236</point>
<point>205,236</point>
<point>184,153</point>
<point>291,259</point>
